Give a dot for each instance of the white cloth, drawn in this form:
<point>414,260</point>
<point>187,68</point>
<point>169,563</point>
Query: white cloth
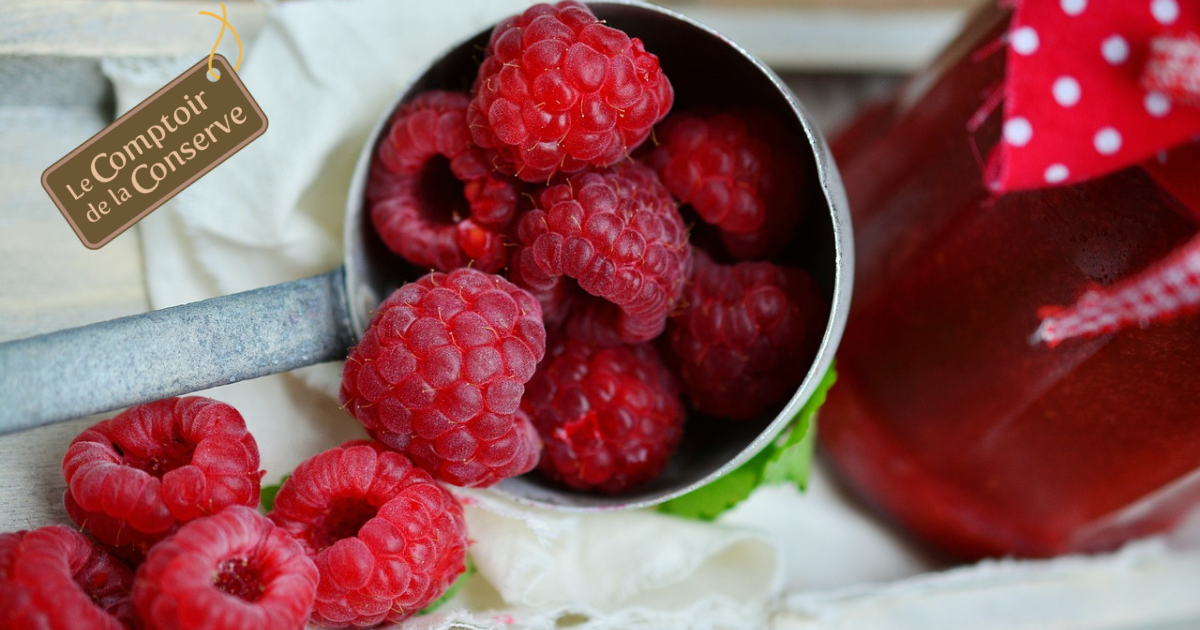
<point>1146,586</point>
<point>323,72</point>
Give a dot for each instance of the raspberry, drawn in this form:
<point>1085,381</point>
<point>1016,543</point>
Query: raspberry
<point>747,336</point>
<point>53,578</point>
<point>610,417</point>
<point>232,571</point>
<point>558,90</point>
<point>771,240</point>
<point>618,233</point>
<point>434,200</point>
<point>732,170</point>
<point>388,540</point>
<point>132,479</point>
<point>441,371</point>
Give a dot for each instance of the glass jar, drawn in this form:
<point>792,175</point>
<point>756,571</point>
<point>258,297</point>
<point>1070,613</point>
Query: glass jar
<point>946,416</point>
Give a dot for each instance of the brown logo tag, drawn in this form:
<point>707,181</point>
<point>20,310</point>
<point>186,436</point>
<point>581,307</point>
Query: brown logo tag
<point>154,151</point>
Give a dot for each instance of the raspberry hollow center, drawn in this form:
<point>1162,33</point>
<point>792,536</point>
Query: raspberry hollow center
<point>343,520</point>
<point>440,194</point>
<point>167,457</point>
<point>240,578</point>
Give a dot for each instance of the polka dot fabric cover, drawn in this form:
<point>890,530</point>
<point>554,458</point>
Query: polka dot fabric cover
<point>1094,86</point>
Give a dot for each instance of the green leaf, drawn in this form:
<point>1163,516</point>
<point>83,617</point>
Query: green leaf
<point>453,590</point>
<point>708,502</point>
<point>786,460</point>
<point>267,497</point>
<point>791,464</point>
<point>791,455</point>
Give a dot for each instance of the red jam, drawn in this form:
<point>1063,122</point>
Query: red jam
<point>945,416</point>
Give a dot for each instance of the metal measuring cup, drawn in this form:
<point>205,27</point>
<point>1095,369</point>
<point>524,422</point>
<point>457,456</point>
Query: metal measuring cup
<point>169,352</point>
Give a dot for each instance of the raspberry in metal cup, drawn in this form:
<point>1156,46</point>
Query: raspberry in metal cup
<point>705,70</point>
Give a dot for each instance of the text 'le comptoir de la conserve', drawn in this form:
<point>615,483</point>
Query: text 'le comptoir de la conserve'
<point>145,167</point>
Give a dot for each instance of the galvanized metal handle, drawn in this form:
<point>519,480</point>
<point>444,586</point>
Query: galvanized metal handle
<point>121,362</point>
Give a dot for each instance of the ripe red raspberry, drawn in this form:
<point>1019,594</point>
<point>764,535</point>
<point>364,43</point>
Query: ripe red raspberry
<point>53,578</point>
<point>231,571</point>
<point>434,199</point>
<point>610,417</point>
<point>387,539</point>
<point>731,168</point>
<point>747,336</point>
<point>618,233</point>
<point>441,371</point>
<point>132,479</point>
<point>558,90</point>
<point>766,243</point>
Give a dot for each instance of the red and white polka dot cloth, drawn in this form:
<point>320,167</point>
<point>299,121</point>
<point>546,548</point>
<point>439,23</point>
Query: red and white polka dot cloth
<point>1076,102</point>
<point>1095,86</point>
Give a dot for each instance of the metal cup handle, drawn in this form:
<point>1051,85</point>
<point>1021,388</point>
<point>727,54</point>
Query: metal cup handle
<point>114,364</point>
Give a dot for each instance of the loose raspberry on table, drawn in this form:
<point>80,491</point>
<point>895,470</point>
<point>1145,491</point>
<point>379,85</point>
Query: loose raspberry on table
<point>132,479</point>
<point>610,417</point>
<point>731,168</point>
<point>558,90</point>
<point>618,234</point>
<point>387,539</point>
<point>53,578</point>
<point>440,373</point>
<point>747,336</point>
<point>434,199</point>
<point>234,570</point>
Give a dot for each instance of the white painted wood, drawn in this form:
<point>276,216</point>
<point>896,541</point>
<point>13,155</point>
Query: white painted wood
<point>787,35</point>
<point>48,279</point>
<point>31,480</point>
<point>73,28</point>
<point>792,39</point>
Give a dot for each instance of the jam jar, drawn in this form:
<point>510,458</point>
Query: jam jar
<point>946,417</point>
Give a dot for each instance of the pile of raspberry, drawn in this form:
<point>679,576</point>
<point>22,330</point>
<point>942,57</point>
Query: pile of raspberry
<point>167,537</point>
<point>572,323</point>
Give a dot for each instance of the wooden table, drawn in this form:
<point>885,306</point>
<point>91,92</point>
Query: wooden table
<point>52,97</point>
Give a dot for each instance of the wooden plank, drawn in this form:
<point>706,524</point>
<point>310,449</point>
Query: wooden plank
<point>793,39</point>
<point>32,485</point>
<point>891,6</point>
<point>48,279</point>
<point>138,28</point>
<point>864,35</point>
